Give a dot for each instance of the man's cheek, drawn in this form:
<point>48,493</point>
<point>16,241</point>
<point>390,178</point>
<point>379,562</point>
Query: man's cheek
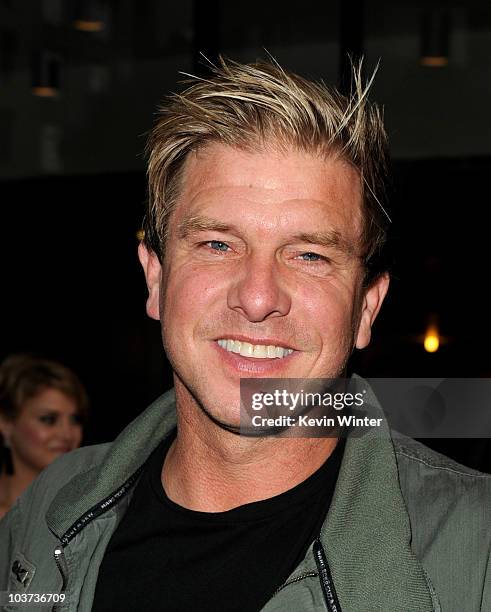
<point>182,311</point>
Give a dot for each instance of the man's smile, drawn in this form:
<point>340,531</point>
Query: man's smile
<point>259,349</point>
<point>253,358</point>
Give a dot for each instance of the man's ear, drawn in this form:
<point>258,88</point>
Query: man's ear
<point>152,270</point>
<point>371,302</point>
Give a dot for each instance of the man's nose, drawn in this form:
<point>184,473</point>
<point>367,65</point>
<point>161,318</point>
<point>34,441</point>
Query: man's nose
<point>259,292</point>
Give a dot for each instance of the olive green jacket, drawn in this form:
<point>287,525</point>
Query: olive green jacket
<point>408,530</point>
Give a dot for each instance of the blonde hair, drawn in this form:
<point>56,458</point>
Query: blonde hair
<point>252,105</point>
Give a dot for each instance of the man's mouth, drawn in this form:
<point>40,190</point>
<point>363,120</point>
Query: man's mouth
<point>257,351</point>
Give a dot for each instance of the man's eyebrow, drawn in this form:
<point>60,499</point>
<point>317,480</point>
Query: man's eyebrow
<point>198,223</point>
<point>329,238</point>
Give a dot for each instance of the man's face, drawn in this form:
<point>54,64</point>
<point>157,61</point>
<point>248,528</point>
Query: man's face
<point>262,258</point>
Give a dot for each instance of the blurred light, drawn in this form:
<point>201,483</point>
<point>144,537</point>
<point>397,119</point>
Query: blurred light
<point>140,234</point>
<point>89,15</point>
<point>434,62</point>
<point>45,74</point>
<point>431,340</point>
<point>85,25</point>
<point>44,92</point>
<point>435,38</point>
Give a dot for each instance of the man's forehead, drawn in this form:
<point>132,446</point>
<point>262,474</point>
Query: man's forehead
<point>225,183</point>
<point>268,167</point>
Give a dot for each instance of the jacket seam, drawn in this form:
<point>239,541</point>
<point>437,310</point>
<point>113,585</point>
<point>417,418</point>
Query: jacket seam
<point>434,597</point>
<point>442,467</point>
<point>488,569</point>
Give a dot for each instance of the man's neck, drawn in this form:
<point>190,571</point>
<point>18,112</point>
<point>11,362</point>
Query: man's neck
<point>209,469</point>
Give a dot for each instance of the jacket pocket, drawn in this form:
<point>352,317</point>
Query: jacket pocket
<point>20,577</point>
<point>21,574</point>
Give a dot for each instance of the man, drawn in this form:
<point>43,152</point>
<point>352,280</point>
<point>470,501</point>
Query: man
<point>263,258</point>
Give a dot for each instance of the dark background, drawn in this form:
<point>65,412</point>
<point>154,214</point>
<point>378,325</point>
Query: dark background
<point>72,178</point>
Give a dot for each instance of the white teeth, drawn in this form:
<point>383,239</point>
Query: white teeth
<point>259,351</point>
<point>246,349</point>
<point>230,345</point>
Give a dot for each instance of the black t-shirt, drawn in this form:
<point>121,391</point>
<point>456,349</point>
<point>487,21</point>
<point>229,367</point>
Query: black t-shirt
<point>165,557</point>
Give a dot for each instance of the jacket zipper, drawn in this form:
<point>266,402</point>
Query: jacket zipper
<point>296,579</point>
<point>325,577</point>
<point>83,521</point>
<point>100,508</point>
<point>61,565</point>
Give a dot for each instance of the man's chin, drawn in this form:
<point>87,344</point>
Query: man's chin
<point>220,405</point>
<point>228,420</point>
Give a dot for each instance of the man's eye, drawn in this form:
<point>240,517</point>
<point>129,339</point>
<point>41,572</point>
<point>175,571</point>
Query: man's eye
<point>314,257</point>
<point>217,245</point>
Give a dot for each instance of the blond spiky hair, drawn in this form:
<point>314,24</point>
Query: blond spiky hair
<point>252,105</point>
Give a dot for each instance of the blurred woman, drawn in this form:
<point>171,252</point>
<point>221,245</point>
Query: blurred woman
<point>43,407</point>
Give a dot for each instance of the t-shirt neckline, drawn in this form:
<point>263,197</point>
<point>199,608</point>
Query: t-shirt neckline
<point>325,475</point>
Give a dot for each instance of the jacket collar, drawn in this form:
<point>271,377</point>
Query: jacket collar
<point>366,534</point>
<point>125,456</point>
